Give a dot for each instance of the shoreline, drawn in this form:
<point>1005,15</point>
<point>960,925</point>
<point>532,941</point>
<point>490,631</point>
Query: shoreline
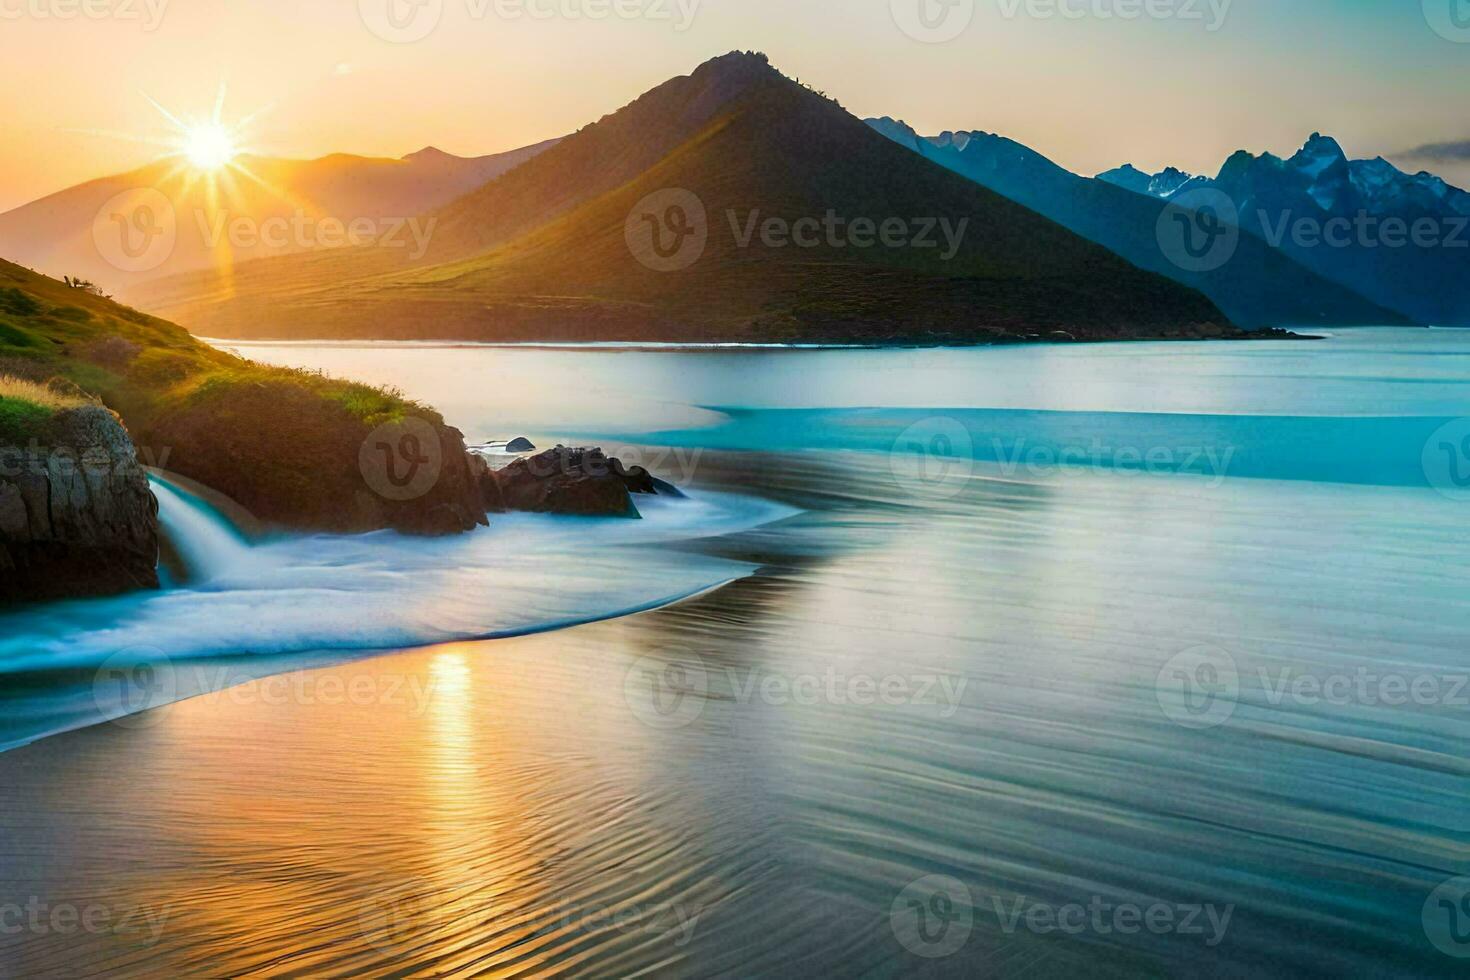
<point>1270,334</point>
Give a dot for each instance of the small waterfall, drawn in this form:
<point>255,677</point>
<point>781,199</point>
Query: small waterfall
<point>205,541</point>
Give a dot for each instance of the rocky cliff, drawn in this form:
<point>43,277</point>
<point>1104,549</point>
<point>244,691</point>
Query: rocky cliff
<point>76,515</point>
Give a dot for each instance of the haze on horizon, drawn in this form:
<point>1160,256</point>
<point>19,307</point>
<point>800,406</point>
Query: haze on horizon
<point>1092,92</point>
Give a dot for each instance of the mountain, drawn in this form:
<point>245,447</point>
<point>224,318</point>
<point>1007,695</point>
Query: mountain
<point>1352,221</point>
<point>730,204</point>
<point>1162,184</point>
<point>1258,285</point>
<point>241,215</point>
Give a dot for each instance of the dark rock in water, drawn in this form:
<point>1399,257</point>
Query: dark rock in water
<point>520,444</point>
<point>561,481</point>
<point>451,506</point>
<point>666,489</point>
<point>77,518</point>
<point>564,480</point>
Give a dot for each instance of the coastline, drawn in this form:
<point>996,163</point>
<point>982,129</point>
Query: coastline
<point>227,343</point>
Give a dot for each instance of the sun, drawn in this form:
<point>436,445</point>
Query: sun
<point>209,146</point>
<point>205,145</point>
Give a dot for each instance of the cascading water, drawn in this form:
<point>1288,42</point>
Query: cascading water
<point>206,543</point>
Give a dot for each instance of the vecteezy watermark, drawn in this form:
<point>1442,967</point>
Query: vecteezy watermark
<point>402,460</point>
<point>135,680</point>
<point>675,920</point>
<point>392,911</point>
<point>938,21</point>
<point>407,21</point>
<point>666,693</point>
<point>1364,230</point>
<point>1098,457</point>
<point>64,462</point>
<point>1446,918</point>
<point>1198,688</point>
<point>1446,459</point>
<point>832,230</point>
<point>672,692</point>
<point>301,232</point>
<point>315,688</point>
<point>1365,686</point>
<point>1201,687</point>
<point>933,916</point>
<point>1450,19</point>
<point>147,13</point>
<point>1210,13</point>
<point>932,21</point>
<point>1099,917</point>
<point>934,457</point>
<point>136,230</point>
<point>130,683</point>
<point>1199,230</point>
<point>669,230</point>
<point>38,917</point>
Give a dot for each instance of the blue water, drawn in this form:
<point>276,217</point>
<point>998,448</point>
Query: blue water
<point>1178,629</point>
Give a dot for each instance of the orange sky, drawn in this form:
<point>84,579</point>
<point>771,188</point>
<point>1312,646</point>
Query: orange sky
<point>1089,91</point>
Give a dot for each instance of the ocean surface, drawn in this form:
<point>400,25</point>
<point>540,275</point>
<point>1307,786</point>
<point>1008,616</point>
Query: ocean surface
<point>1137,659</point>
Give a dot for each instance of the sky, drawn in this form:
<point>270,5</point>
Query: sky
<point>1185,84</point>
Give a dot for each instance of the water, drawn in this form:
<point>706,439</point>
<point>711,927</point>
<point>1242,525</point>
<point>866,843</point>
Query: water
<point>252,610</point>
<point>971,643</point>
<point>207,544</point>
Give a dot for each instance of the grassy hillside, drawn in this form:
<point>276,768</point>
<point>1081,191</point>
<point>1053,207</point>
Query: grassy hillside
<point>141,365</point>
<point>282,443</point>
<point>745,139</point>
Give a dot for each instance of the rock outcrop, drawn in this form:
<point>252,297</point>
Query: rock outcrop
<point>294,462</point>
<point>582,482</point>
<point>452,506</point>
<point>76,515</point>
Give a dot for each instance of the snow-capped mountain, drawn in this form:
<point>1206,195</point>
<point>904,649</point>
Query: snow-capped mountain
<point>1401,239</point>
<point>1320,169</point>
<point>1258,286</point>
<point>1163,184</point>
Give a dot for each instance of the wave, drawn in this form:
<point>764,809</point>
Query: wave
<point>292,602</point>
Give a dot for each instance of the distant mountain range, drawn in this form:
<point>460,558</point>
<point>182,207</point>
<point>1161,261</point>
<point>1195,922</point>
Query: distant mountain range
<point>1402,240</point>
<point>729,204</point>
<point>227,223</point>
<point>735,203</point>
<point>1257,286</point>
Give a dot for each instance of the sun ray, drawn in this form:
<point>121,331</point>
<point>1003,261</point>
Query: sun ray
<point>178,123</point>
<point>219,102</point>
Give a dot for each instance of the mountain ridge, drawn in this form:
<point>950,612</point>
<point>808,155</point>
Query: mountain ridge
<point>1257,286</point>
<point>543,252</point>
<point>1296,203</point>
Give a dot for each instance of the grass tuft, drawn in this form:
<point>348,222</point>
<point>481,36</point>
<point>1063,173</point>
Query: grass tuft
<point>19,389</point>
<point>26,408</point>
